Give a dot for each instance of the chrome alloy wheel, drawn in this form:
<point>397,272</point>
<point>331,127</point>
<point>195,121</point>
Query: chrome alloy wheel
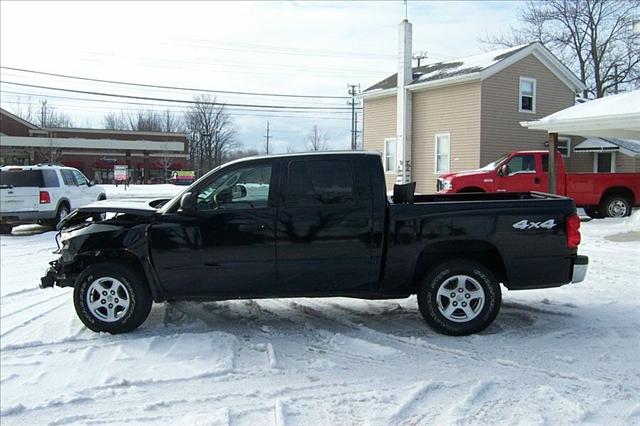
<point>460,298</point>
<point>108,299</point>
<point>617,208</point>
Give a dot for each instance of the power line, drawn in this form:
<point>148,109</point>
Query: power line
<point>172,87</point>
<point>86,92</point>
<point>183,108</point>
<point>232,112</point>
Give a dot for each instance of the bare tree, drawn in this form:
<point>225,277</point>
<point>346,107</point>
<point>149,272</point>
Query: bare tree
<point>240,153</point>
<point>145,120</point>
<point>48,155</point>
<point>290,149</point>
<point>115,121</point>
<point>24,111</point>
<point>594,38</point>
<point>50,118</point>
<point>211,133</point>
<point>317,140</point>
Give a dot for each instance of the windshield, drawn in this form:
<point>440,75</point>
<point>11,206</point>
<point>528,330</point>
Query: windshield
<point>21,178</point>
<point>494,164</point>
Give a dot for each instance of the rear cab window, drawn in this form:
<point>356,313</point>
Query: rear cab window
<point>320,182</point>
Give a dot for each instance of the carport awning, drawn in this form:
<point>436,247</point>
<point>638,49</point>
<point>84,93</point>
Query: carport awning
<point>615,116</point>
<point>626,146</point>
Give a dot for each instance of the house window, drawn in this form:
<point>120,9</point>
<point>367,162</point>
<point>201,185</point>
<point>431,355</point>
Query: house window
<point>527,94</point>
<point>443,149</point>
<point>604,162</point>
<point>390,156</point>
<point>564,146</point>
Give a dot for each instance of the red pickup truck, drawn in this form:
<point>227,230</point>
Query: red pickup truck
<point>600,194</point>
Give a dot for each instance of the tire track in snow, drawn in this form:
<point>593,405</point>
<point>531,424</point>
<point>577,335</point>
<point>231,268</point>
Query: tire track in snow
<point>409,402</point>
<point>32,319</point>
<point>31,306</point>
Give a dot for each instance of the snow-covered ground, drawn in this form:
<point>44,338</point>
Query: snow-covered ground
<point>142,191</point>
<point>556,356</point>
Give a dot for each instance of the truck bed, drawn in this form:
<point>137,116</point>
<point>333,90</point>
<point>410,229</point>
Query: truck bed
<point>504,223</point>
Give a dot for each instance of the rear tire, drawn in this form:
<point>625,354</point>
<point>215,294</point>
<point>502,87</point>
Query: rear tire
<point>112,297</point>
<point>617,205</point>
<point>5,229</point>
<point>61,213</point>
<point>459,297</point>
<point>593,213</point>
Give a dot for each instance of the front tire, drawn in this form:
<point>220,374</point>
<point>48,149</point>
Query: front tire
<point>459,297</point>
<point>616,206</point>
<point>112,297</point>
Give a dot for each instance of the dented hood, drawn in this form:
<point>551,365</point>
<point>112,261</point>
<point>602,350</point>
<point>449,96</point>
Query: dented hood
<point>131,207</point>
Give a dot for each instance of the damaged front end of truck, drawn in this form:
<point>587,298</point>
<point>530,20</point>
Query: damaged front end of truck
<point>87,236</point>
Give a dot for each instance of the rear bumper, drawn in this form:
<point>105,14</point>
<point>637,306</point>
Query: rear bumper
<point>26,216</point>
<point>580,267</point>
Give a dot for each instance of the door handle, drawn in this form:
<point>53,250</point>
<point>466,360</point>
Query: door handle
<point>253,227</point>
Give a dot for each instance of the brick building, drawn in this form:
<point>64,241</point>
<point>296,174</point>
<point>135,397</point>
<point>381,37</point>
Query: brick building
<point>148,155</point>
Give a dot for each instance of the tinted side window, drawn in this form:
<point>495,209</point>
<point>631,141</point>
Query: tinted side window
<point>79,177</point>
<point>50,179</point>
<point>243,188</point>
<point>67,177</point>
<point>319,182</point>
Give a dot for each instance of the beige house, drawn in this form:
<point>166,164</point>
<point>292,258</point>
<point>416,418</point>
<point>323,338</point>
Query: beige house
<point>462,114</point>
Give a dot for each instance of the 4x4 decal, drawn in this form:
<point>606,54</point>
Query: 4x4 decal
<point>526,224</point>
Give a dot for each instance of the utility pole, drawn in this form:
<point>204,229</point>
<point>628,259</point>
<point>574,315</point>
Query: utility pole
<point>267,137</point>
<point>354,90</point>
<point>43,113</point>
<point>420,56</point>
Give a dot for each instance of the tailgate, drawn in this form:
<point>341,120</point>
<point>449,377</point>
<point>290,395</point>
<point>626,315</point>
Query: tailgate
<point>19,199</point>
<point>20,189</point>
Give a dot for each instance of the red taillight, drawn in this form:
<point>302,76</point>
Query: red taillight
<point>45,198</point>
<point>573,231</point>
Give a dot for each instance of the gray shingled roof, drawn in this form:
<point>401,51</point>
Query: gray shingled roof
<point>453,68</point>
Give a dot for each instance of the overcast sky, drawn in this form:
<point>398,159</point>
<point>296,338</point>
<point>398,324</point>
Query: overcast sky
<point>308,48</point>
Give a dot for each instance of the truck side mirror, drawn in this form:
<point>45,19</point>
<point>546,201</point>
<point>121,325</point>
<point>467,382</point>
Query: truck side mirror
<point>187,203</point>
<point>504,170</point>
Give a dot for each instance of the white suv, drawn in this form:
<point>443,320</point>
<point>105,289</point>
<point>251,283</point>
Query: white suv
<point>42,194</point>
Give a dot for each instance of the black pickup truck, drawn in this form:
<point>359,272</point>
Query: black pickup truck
<point>315,225</point>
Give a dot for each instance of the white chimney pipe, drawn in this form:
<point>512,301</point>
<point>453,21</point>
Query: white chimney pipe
<point>403,126</point>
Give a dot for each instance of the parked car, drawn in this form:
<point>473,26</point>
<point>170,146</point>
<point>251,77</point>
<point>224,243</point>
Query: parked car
<point>316,225</point>
<point>43,194</point>
<point>601,194</point>
<point>182,177</point>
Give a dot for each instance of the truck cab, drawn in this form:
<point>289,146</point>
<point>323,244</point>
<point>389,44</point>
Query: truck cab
<point>600,194</point>
<point>514,172</point>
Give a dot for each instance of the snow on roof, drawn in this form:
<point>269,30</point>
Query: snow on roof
<point>466,65</point>
<point>630,147</point>
<point>623,104</point>
<point>452,68</point>
<point>614,116</point>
